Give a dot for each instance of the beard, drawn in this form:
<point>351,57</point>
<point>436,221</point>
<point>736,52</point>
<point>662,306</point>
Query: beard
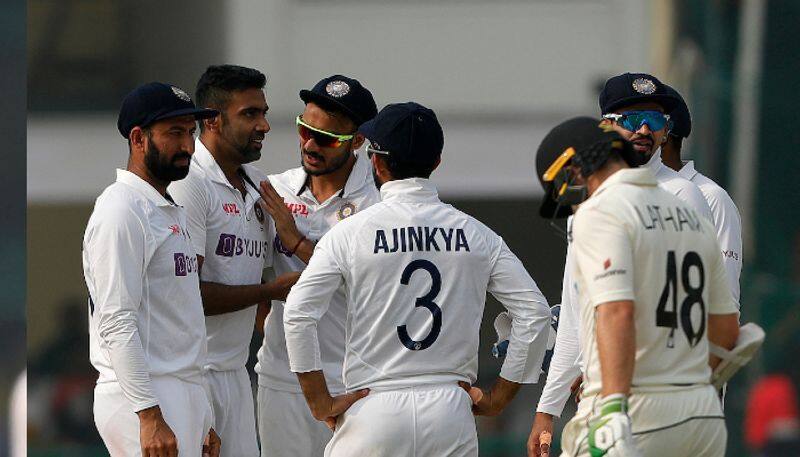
<point>164,169</point>
<point>332,164</point>
<point>246,150</point>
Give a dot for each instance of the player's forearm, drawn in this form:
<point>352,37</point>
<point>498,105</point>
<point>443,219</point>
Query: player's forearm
<point>128,362</point>
<point>616,345</point>
<point>315,390</point>
<point>222,298</point>
<point>294,241</point>
<point>564,369</point>
<point>723,330</point>
<point>503,391</point>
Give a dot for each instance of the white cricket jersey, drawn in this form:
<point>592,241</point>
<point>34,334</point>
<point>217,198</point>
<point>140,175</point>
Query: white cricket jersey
<point>567,362</point>
<point>671,181</point>
<point>146,315</point>
<point>228,230</point>
<point>635,241</point>
<point>726,220</point>
<point>313,220</point>
<point>416,272</point>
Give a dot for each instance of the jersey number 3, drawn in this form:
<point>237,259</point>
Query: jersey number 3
<point>694,295</point>
<point>425,301</point>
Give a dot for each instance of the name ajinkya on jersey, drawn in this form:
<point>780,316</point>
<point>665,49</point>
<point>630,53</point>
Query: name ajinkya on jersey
<point>410,239</point>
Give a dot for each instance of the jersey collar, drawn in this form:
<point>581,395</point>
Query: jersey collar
<point>360,175</point>
<point>688,171</point>
<point>642,176</point>
<point>133,180</point>
<point>411,189</point>
<point>203,157</point>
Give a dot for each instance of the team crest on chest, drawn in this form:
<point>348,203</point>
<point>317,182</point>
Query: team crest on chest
<point>259,213</point>
<point>347,210</point>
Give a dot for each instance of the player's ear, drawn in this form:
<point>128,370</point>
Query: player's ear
<point>358,141</point>
<point>212,123</point>
<point>137,138</point>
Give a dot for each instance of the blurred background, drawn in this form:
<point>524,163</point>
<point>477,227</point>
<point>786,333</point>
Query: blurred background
<point>499,75</point>
<point>12,208</point>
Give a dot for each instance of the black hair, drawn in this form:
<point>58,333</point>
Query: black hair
<point>404,170</point>
<point>216,84</point>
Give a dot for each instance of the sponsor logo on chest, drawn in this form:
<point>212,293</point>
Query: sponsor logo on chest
<point>230,208</point>
<point>230,245</point>
<point>185,264</point>
<point>298,209</point>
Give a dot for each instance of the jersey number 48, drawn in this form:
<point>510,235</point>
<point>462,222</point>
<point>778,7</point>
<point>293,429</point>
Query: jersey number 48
<point>694,296</point>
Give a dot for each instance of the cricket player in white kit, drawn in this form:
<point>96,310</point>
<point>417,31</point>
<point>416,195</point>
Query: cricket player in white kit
<point>653,294</point>
<point>725,214</point>
<point>147,334</point>
<point>332,184</point>
<point>416,272</point>
<point>634,104</point>
<point>233,241</point>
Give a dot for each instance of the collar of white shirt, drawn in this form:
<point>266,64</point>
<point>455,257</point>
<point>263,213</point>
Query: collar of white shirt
<point>688,171</point>
<point>209,164</point>
<point>359,177</point>
<point>133,180</point>
<point>655,162</point>
<point>411,189</point>
<point>636,176</point>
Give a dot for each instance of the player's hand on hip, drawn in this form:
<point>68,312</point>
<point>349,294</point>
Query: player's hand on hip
<point>491,402</point>
<point>541,436</point>
<point>337,406</point>
<point>155,436</point>
<point>212,444</point>
<point>610,431</point>
<point>280,287</point>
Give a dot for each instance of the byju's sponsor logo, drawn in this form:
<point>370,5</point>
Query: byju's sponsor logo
<point>184,264</point>
<point>231,245</point>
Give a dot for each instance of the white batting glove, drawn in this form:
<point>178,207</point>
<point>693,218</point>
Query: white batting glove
<point>610,432</point>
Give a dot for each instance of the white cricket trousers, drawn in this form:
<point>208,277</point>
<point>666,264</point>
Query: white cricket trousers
<point>286,427</point>
<point>421,421</point>
<point>234,412</point>
<point>676,423</point>
<point>184,405</point>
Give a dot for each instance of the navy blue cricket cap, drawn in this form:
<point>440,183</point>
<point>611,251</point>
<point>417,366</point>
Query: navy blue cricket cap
<point>680,117</point>
<point>407,132</point>
<point>343,94</point>
<point>631,88</point>
<point>155,101</point>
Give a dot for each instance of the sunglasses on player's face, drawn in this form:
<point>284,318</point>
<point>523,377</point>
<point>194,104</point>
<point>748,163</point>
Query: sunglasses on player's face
<point>634,120</point>
<point>323,138</point>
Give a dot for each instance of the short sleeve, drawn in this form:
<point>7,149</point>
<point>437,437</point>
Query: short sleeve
<point>603,256</point>
<point>193,196</point>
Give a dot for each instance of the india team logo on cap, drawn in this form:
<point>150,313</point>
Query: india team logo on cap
<point>347,210</point>
<point>337,88</point>
<point>644,86</point>
<point>180,94</point>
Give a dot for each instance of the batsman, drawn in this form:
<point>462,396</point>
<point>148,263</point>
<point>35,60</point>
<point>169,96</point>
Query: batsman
<point>653,297</point>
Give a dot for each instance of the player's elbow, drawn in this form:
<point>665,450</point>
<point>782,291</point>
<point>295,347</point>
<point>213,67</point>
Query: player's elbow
<point>723,330</point>
<point>116,327</point>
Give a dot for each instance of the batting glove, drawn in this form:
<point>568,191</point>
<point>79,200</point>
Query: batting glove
<point>610,432</point>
